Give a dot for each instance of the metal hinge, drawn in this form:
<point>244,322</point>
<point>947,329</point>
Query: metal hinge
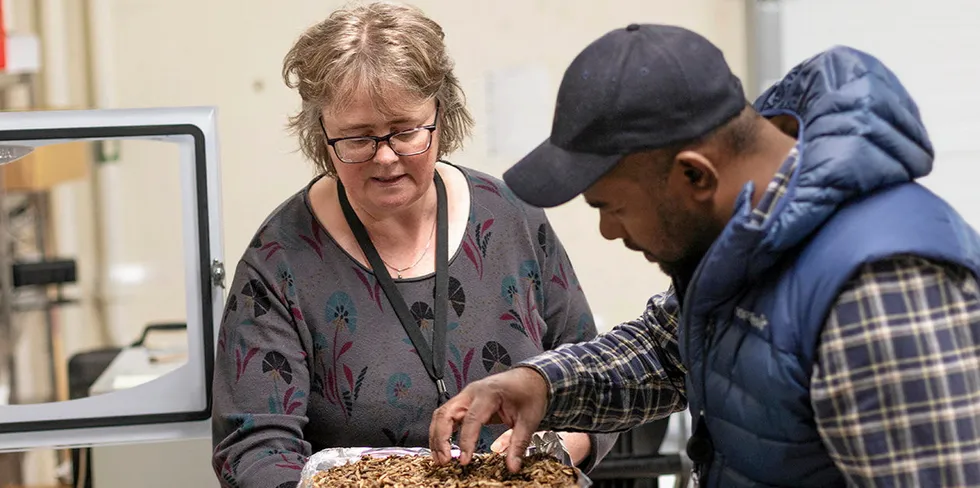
<point>218,273</point>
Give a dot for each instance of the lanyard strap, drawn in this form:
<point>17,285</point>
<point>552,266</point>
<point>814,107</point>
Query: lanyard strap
<point>433,358</point>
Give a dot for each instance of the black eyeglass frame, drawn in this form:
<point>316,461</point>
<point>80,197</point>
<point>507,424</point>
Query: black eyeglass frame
<point>379,139</point>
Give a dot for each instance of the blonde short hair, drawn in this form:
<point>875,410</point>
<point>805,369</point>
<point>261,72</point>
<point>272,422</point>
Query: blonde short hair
<point>379,47</point>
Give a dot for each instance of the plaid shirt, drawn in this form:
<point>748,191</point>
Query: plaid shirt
<point>901,325</point>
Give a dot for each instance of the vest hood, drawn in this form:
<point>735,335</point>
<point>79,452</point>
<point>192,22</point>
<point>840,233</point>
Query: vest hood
<point>860,131</point>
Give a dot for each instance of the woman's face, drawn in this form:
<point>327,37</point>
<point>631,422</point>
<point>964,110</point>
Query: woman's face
<point>386,181</point>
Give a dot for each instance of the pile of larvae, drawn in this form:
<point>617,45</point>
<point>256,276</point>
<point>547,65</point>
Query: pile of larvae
<point>484,471</point>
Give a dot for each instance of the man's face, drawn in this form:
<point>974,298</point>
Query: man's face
<point>665,214</point>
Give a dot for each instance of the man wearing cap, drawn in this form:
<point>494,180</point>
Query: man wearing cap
<point>823,325</point>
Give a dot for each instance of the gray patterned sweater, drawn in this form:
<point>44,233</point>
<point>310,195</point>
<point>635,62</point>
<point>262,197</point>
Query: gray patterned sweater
<point>311,355</point>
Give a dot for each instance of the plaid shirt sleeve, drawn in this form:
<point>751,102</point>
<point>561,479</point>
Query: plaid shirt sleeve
<point>896,391</point>
<point>627,376</point>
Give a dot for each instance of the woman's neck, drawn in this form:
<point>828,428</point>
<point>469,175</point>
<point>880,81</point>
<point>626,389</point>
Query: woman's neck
<point>400,234</point>
<point>399,242</point>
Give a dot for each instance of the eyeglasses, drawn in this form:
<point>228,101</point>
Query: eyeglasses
<point>360,149</point>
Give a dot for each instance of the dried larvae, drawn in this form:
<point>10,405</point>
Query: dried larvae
<point>485,471</point>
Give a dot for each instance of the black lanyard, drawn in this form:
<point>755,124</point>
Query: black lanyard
<point>434,359</point>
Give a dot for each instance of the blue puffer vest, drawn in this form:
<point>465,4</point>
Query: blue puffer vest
<point>754,310</point>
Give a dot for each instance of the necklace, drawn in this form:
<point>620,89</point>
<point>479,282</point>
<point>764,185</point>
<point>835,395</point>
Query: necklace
<point>417,261</point>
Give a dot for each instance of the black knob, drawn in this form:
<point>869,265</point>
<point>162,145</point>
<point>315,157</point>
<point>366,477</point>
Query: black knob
<point>700,449</point>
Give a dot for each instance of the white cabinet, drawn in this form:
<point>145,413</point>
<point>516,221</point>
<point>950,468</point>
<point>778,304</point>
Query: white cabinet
<point>154,465</point>
<point>141,398</point>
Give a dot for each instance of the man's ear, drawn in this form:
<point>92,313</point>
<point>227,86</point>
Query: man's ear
<point>698,174</point>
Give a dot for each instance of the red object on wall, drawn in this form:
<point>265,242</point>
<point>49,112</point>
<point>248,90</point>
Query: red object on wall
<point>3,41</point>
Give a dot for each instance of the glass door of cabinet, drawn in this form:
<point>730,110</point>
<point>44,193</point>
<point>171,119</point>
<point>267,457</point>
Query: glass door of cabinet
<point>162,300</point>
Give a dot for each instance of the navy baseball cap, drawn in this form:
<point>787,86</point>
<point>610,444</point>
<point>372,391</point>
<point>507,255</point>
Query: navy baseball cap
<point>638,88</point>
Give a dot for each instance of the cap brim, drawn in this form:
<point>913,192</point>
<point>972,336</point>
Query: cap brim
<point>549,176</point>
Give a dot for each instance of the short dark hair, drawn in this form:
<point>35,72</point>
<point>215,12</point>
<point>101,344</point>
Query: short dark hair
<point>740,135</point>
<point>737,136</point>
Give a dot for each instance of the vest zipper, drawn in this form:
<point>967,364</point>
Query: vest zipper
<point>699,448</point>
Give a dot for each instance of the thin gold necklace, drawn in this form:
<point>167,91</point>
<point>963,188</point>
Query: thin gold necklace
<point>417,261</point>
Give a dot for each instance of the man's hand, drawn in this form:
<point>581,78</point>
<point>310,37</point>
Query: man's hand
<point>577,444</point>
<point>518,398</point>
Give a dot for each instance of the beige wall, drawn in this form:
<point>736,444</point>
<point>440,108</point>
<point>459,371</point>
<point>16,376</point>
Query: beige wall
<point>229,55</point>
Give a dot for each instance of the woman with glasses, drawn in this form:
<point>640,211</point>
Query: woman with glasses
<point>394,278</point>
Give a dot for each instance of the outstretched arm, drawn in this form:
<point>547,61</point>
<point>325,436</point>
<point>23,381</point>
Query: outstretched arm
<point>628,376</point>
<point>625,377</point>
